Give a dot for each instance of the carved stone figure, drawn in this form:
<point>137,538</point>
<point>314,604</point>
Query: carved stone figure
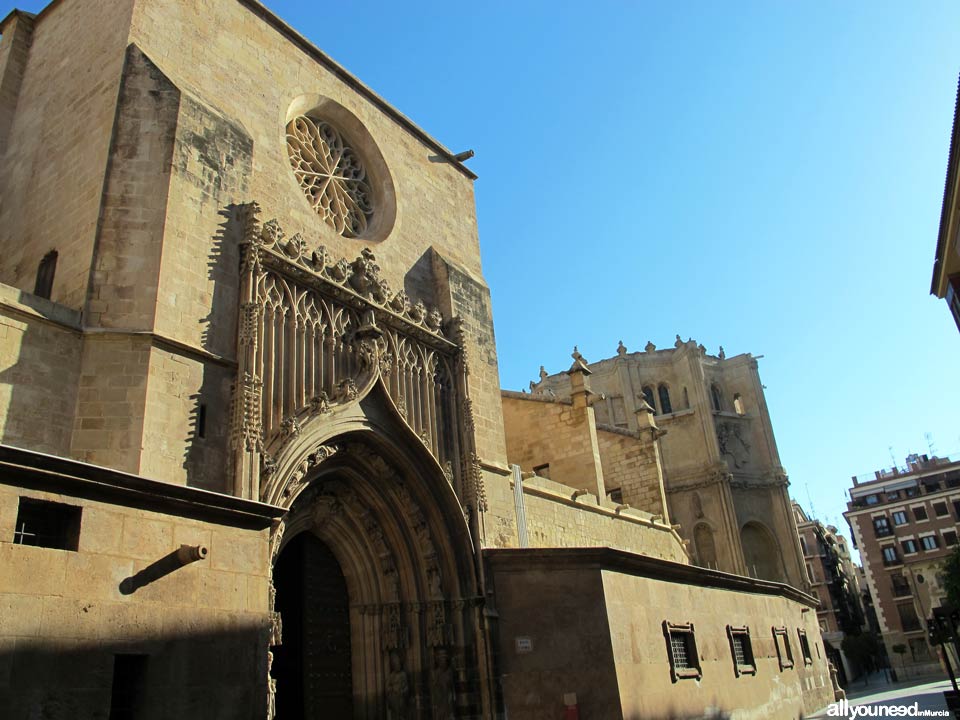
<point>398,689</point>
<point>442,690</point>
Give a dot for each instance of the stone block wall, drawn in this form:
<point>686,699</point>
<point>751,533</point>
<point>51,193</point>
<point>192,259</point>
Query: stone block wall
<point>111,401</point>
<point>186,431</point>
<point>66,615</point>
<point>63,118</point>
<point>637,607</point>
<point>39,364</point>
<point>591,623</point>
<point>632,464</point>
<point>555,519</point>
<point>544,432</point>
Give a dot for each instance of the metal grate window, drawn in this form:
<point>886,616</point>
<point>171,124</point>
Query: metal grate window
<point>681,651</point>
<point>739,653</point>
<point>741,650</point>
<point>782,642</point>
<point>678,648</point>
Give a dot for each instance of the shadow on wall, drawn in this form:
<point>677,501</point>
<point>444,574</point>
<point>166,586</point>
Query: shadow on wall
<point>207,441</point>
<point>167,672</point>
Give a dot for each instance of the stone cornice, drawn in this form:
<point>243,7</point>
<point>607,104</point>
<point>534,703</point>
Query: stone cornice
<point>515,395</point>
<point>49,473</point>
<point>605,558</point>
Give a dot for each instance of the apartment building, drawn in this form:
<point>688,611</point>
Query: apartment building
<point>835,580</point>
<point>905,522</point>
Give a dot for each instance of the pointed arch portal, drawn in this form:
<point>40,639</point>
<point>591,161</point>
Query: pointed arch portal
<point>352,413</point>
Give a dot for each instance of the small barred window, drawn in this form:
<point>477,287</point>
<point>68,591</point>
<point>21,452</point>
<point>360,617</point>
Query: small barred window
<point>742,650</point>
<point>331,174</point>
<point>682,651</point>
<point>805,647</point>
<point>784,654</point>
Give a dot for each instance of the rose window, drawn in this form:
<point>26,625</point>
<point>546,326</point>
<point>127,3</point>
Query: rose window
<point>331,174</point>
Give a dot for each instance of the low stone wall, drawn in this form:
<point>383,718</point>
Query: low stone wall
<point>591,622</point>
<point>66,617</point>
<point>555,519</point>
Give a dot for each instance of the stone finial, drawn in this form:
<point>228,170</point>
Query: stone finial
<point>579,362</point>
<point>722,355</point>
<point>579,381</point>
<point>543,373</point>
<point>702,348</point>
<point>643,405</point>
<point>678,342</point>
<point>621,349</point>
<point>649,347</point>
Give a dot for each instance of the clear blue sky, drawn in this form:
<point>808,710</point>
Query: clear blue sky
<point>765,176</point>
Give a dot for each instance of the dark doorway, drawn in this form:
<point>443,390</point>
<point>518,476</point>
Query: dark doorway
<point>312,666</point>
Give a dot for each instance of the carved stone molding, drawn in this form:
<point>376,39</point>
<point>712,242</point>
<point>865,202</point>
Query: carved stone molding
<point>316,334</point>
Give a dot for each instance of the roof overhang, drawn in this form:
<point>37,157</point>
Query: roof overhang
<point>947,260</point>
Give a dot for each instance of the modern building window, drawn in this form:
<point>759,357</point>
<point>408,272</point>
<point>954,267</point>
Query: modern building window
<point>805,647</point>
<point>741,650</point>
<point>940,509</point>
<point>908,617</point>
<point>929,542</point>
<point>919,650</point>
<point>920,513</point>
<point>782,641</point>
<point>717,397</point>
<point>682,651</point>
<point>871,499</point>
<point>909,547</point>
<point>895,495</point>
<point>47,524</point>
<point>890,555</point>
<point>899,584</point>
<point>648,396</point>
<point>664,392</point>
<point>129,681</point>
<point>810,574</point>
<point>899,517</point>
<point>949,538</point>
<point>45,272</point>
<point>803,544</point>
<point>881,527</point>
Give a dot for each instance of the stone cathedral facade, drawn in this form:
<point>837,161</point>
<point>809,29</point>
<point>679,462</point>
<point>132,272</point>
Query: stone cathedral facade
<point>253,459</point>
<point>717,455</point>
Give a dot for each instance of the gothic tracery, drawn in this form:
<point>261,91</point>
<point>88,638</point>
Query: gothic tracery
<point>331,174</point>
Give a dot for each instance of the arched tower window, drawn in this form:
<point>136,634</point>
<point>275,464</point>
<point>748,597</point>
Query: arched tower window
<point>664,394</point>
<point>45,272</point>
<point>648,396</point>
<point>761,552</point>
<point>717,397</point>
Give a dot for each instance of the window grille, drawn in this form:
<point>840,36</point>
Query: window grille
<point>741,649</point>
<point>782,641</point>
<point>682,651</point>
